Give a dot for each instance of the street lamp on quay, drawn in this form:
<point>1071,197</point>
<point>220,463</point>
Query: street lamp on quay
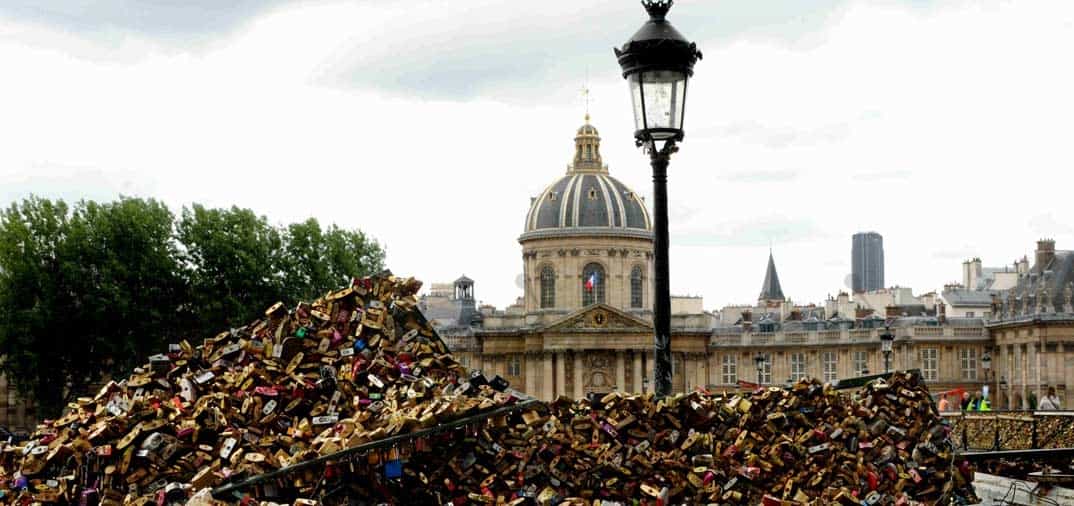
<point>657,62</point>
<point>886,341</point>
<point>759,360</point>
<point>986,364</point>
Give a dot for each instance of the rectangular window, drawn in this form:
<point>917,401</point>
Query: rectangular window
<point>828,360</point>
<point>798,366</point>
<point>730,370</point>
<point>514,366</point>
<point>969,314</point>
<point>861,362</point>
<point>968,359</point>
<point>930,363</point>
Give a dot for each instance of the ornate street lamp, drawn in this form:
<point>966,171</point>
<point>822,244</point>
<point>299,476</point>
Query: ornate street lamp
<point>657,62</point>
<point>986,364</point>
<point>759,360</point>
<point>864,371</point>
<point>886,341</point>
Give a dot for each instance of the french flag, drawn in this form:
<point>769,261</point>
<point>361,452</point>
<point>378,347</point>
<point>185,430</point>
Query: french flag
<point>591,282</point>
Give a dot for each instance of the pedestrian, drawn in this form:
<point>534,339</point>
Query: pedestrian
<point>1049,402</point>
<point>965,401</point>
<point>975,402</point>
<point>945,405</point>
<point>982,404</point>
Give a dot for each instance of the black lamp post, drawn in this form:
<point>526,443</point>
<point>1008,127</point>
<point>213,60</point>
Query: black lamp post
<point>986,364</point>
<point>886,341</point>
<point>864,371</point>
<point>759,360</point>
<point>657,61</point>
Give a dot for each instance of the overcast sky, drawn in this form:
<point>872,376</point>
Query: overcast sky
<point>943,125</point>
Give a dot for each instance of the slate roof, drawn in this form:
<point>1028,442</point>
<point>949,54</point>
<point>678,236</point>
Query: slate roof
<point>588,200</point>
<point>968,298</point>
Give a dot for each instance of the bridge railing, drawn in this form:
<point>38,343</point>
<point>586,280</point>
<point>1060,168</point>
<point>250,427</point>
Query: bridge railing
<point>1012,430</point>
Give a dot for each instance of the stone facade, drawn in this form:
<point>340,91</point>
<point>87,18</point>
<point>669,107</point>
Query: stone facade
<point>559,340</point>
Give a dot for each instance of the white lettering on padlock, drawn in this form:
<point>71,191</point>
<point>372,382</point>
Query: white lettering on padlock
<point>325,420</point>
<point>186,389</point>
<point>270,406</point>
<point>346,352</point>
<point>204,377</point>
<point>375,381</point>
<point>228,447</point>
<point>333,404</point>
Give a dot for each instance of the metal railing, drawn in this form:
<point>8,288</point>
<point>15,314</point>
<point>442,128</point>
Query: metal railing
<point>1011,430</point>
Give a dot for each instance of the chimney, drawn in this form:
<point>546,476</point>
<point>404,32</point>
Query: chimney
<point>892,311</point>
<point>796,315</point>
<point>1045,253</point>
<point>860,313</point>
<point>942,309</point>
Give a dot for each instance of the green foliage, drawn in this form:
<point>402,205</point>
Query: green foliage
<point>95,289</point>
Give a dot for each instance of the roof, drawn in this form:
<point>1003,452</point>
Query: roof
<point>968,298</point>
<point>587,199</point>
<point>770,289</point>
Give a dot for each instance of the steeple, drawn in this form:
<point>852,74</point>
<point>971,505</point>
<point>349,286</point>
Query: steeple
<point>770,290</point>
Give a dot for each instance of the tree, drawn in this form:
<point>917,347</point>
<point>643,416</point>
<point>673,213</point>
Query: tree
<point>231,258</point>
<point>315,262</point>
<point>82,292</point>
<point>95,289</point>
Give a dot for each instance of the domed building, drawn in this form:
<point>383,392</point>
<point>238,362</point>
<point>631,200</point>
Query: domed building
<point>584,322</point>
<point>587,239</point>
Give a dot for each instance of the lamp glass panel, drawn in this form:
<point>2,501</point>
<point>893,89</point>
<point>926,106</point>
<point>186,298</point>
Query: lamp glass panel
<point>885,345</point>
<point>663,93</point>
<point>636,100</point>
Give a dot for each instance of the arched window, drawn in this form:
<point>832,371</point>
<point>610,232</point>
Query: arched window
<point>592,284</point>
<point>548,287</point>
<point>635,287</point>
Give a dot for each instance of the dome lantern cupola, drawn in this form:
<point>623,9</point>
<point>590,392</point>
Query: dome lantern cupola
<point>587,150</point>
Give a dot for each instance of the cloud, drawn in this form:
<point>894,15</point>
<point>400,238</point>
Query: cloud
<point>169,21</point>
<point>430,123</point>
<point>761,176</point>
<point>436,50</point>
<point>886,175</point>
<point>763,231</point>
<point>779,137</point>
<point>1046,225</point>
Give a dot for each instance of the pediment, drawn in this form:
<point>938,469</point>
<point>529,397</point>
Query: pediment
<point>599,317</point>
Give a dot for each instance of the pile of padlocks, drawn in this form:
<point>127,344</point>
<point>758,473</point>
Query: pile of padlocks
<point>805,445</point>
<point>287,406</point>
<point>358,365</point>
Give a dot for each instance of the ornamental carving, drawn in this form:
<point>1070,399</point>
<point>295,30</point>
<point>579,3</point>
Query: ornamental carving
<point>599,373</point>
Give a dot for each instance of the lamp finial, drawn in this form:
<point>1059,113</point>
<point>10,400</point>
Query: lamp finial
<point>657,9</point>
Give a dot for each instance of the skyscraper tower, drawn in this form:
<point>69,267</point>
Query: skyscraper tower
<point>867,262</point>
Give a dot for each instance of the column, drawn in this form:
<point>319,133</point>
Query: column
<point>1032,366</point>
<point>1021,376</point>
<point>530,373</point>
<point>637,371</point>
<point>561,374</point>
<point>579,385</point>
<point>648,363</point>
<point>690,372</point>
<point>620,372</point>
<point>548,390</point>
<point>702,377</point>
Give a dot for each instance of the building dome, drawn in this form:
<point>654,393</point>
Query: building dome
<point>587,200</point>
